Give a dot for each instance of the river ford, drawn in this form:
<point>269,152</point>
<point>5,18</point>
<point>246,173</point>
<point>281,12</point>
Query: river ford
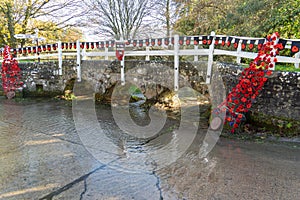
<point>43,156</point>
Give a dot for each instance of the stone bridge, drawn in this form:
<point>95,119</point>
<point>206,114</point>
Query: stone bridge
<point>277,105</point>
<point>152,78</point>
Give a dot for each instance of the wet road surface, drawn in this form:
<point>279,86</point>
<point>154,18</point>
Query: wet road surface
<point>43,157</point>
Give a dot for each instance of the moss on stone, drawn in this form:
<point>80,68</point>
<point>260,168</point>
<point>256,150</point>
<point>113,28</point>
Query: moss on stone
<point>273,125</point>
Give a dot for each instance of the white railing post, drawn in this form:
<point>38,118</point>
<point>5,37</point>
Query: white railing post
<point>210,59</point>
<point>297,56</point>
<point>147,53</point>
<point>78,61</point>
<point>59,49</point>
<point>195,56</point>
<point>176,62</point>
<point>106,53</point>
<point>239,50</point>
<point>123,71</point>
<point>84,57</point>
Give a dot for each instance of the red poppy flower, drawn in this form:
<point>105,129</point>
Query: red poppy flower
<point>228,43</point>
<point>235,45</point>
<point>269,73</point>
<point>54,47</point>
<point>243,46</point>
<point>279,46</point>
<point>271,65</point>
<point>251,46</point>
<point>243,99</point>
<point>259,46</point>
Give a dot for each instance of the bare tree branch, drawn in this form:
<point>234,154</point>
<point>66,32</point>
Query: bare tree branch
<point>118,18</point>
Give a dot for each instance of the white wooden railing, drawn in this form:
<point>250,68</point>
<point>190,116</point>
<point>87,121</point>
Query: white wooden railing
<point>176,46</point>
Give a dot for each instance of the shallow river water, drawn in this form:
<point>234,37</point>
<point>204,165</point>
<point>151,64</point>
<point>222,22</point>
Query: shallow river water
<point>51,150</point>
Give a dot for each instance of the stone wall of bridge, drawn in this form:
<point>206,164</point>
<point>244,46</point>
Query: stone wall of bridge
<point>280,96</point>
<point>43,79</point>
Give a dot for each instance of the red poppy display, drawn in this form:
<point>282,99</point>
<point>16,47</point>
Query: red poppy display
<point>295,49</point>
<point>196,40</point>
<point>147,42</point>
<point>134,42</point>
<point>235,45</point>
<point>181,39</point>
<point>82,45</point>
<point>243,46</point>
<point>159,41</point>
<point>152,42</point>
<point>188,41</point>
<point>141,43</point>
<point>166,40</point>
<point>251,82</point>
<point>204,40</point>
<point>11,73</point>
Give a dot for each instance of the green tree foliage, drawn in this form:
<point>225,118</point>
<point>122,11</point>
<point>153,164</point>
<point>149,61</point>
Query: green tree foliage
<point>249,18</point>
<point>23,17</point>
<point>285,19</point>
<point>202,16</point>
<point>240,17</point>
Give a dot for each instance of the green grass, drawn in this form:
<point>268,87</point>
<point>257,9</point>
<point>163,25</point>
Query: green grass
<point>286,68</point>
<point>280,67</point>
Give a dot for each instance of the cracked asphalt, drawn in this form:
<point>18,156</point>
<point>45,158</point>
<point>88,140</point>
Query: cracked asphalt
<point>42,157</point>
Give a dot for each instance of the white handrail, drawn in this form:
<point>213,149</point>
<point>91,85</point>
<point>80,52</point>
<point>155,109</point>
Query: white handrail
<point>182,46</point>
